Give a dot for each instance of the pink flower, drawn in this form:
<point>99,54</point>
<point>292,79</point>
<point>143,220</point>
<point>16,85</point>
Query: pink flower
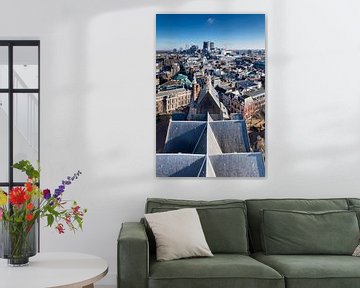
<point>1,212</point>
<point>76,210</point>
<point>60,228</point>
<point>68,219</point>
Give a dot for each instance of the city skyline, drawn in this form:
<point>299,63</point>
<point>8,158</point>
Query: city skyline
<point>229,31</point>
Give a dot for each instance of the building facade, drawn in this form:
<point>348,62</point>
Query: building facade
<point>171,100</point>
<point>258,97</point>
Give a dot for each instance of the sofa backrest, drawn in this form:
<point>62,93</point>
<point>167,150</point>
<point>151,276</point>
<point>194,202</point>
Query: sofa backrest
<point>223,221</point>
<point>353,202</point>
<point>256,205</point>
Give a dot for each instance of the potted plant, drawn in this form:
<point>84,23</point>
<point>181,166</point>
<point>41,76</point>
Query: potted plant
<point>21,208</point>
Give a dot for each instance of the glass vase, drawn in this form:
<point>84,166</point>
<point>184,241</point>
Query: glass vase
<point>18,242</point>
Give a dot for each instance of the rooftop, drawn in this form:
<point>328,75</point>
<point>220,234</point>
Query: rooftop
<point>171,92</point>
<point>255,93</point>
<point>208,149</point>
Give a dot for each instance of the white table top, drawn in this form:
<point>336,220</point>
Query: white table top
<point>54,270</point>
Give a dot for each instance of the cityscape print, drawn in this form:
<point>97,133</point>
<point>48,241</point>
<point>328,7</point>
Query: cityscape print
<point>210,95</point>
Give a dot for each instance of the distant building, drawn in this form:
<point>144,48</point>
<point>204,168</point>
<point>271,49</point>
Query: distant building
<point>183,79</point>
<point>258,97</point>
<point>245,86</point>
<point>195,89</point>
<point>244,105</point>
<point>224,88</point>
<point>228,99</point>
<point>226,92</point>
<point>206,46</point>
<point>193,49</point>
<point>208,102</point>
<point>170,85</point>
<point>212,46</point>
<point>260,65</point>
<point>171,100</point>
<point>249,108</point>
<point>216,81</point>
<point>262,79</point>
<point>201,80</point>
<point>248,104</point>
<point>236,103</point>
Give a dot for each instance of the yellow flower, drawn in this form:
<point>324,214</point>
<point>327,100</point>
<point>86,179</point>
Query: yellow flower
<point>3,198</point>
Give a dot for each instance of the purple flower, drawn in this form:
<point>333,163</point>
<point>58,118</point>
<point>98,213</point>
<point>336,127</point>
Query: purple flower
<point>64,183</point>
<point>58,192</point>
<point>46,194</point>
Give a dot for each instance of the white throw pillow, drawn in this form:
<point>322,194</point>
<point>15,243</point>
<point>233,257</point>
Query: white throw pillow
<point>357,251</point>
<point>178,234</point>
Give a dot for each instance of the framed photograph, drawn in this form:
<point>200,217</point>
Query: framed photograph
<point>210,95</point>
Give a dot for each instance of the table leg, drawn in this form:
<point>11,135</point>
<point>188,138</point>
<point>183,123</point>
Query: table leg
<point>89,286</point>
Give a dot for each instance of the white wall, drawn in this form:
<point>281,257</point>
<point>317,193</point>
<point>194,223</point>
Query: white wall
<point>98,105</point>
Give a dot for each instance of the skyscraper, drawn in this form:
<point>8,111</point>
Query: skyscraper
<point>206,46</point>
<point>212,46</point>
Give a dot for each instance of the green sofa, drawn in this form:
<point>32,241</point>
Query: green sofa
<point>233,230</point>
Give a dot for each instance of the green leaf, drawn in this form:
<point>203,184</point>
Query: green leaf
<point>50,219</point>
<point>52,211</point>
<point>28,168</point>
<point>22,164</point>
<point>79,221</point>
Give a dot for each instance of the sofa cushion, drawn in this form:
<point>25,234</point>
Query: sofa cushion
<point>254,217</point>
<point>223,221</point>
<point>222,270</point>
<point>178,234</point>
<point>313,271</point>
<point>356,209</point>
<point>354,205</point>
<point>297,232</point>
<point>353,201</point>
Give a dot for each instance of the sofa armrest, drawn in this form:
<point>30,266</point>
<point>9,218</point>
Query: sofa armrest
<point>133,256</point>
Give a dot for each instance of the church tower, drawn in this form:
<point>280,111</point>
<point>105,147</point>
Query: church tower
<point>195,89</point>
<point>193,97</point>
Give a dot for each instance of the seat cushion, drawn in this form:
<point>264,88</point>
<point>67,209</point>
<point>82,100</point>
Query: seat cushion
<point>315,271</point>
<point>255,206</point>
<point>222,270</point>
<point>223,222</point>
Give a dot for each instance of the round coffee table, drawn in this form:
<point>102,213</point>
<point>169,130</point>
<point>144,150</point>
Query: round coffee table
<point>60,270</point>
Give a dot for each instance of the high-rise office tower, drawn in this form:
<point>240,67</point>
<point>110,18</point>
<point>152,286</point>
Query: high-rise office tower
<point>206,46</point>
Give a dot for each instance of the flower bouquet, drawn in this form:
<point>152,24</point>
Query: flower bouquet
<point>21,208</point>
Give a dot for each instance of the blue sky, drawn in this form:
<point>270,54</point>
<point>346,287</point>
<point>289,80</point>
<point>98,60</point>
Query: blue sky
<point>231,31</point>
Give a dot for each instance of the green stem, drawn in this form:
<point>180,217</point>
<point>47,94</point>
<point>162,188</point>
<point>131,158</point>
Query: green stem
<point>18,237</point>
